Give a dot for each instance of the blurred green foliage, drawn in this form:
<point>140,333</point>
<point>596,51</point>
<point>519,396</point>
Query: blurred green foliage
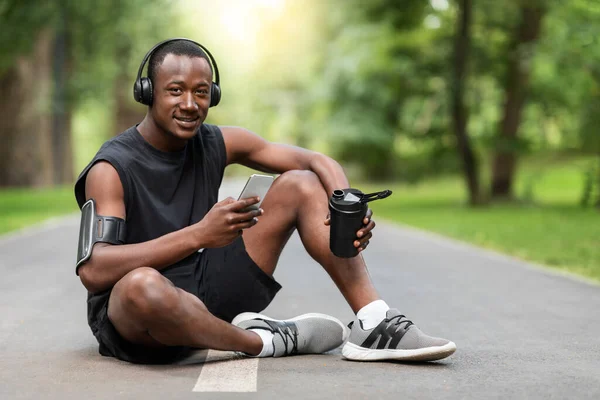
<point>97,34</point>
<point>366,82</point>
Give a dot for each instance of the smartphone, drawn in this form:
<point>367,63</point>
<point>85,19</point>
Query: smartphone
<point>257,185</point>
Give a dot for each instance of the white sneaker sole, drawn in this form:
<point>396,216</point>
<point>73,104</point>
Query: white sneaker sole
<point>354,352</point>
<point>250,315</point>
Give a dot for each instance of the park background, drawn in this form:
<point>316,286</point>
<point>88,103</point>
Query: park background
<point>480,115</point>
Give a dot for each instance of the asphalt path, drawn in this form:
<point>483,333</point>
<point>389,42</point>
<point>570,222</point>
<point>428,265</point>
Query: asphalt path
<point>522,331</point>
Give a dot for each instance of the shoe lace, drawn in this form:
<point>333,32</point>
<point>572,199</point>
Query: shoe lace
<point>401,319</point>
<point>288,334</point>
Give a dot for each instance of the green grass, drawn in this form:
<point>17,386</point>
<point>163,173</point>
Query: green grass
<point>552,230</point>
<point>22,207</point>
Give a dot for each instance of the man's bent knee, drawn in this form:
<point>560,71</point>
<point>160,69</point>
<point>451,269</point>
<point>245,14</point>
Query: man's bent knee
<point>304,183</point>
<point>144,291</point>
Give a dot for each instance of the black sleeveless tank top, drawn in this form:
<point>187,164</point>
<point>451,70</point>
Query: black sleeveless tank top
<point>163,192</point>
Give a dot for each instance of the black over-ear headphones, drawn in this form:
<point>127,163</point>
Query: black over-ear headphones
<point>142,88</point>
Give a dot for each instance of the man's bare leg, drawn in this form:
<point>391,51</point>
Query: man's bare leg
<point>146,308</point>
<point>298,200</point>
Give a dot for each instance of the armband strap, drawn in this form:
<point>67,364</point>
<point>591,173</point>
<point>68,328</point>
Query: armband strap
<point>96,228</point>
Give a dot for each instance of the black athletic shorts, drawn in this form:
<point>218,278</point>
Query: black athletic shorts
<point>226,280</point>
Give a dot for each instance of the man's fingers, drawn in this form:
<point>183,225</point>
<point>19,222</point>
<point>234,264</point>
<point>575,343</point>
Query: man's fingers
<point>236,218</point>
<point>363,231</point>
<point>247,216</point>
<point>239,205</point>
<point>227,200</point>
<point>363,247</point>
<point>362,241</point>
<point>246,224</point>
<point>368,216</point>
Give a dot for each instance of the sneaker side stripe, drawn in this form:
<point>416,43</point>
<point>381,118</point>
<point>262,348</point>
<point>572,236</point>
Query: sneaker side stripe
<point>384,332</point>
<point>398,336</point>
<point>380,332</point>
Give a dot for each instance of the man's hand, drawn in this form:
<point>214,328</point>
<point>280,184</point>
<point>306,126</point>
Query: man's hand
<point>225,222</point>
<point>364,234</point>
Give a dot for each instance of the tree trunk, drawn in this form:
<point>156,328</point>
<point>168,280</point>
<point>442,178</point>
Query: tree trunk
<point>519,67</point>
<point>25,130</point>
<point>127,111</point>
<point>460,116</point>
<point>62,150</point>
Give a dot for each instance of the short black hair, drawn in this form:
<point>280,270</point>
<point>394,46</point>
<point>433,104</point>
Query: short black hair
<point>179,48</point>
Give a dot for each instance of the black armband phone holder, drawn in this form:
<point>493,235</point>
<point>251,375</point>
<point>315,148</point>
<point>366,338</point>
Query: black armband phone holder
<point>96,228</point>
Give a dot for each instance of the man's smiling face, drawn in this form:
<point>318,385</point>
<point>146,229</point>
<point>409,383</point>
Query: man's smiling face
<point>181,95</point>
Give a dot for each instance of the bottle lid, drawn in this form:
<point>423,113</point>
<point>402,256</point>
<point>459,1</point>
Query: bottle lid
<point>347,199</point>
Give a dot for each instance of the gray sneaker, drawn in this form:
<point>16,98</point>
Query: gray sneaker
<point>305,334</point>
<point>395,338</point>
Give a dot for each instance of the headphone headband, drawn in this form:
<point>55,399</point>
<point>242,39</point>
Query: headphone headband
<point>151,51</point>
<point>143,86</point>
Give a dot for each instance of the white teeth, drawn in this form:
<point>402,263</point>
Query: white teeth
<point>186,119</point>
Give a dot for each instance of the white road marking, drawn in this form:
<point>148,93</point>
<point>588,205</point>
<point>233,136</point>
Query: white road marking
<point>222,373</point>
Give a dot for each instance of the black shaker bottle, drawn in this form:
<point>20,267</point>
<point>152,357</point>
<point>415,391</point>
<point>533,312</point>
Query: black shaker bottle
<point>347,208</point>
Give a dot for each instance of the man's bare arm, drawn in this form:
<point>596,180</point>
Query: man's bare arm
<point>109,263</point>
<point>246,148</point>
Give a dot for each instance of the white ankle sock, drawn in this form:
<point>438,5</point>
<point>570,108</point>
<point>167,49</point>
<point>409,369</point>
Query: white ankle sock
<point>372,314</point>
<point>267,339</point>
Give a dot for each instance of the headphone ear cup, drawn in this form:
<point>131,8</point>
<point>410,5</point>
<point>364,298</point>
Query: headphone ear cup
<point>146,91</point>
<point>215,94</point>
<point>137,90</point>
<point>140,90</point>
